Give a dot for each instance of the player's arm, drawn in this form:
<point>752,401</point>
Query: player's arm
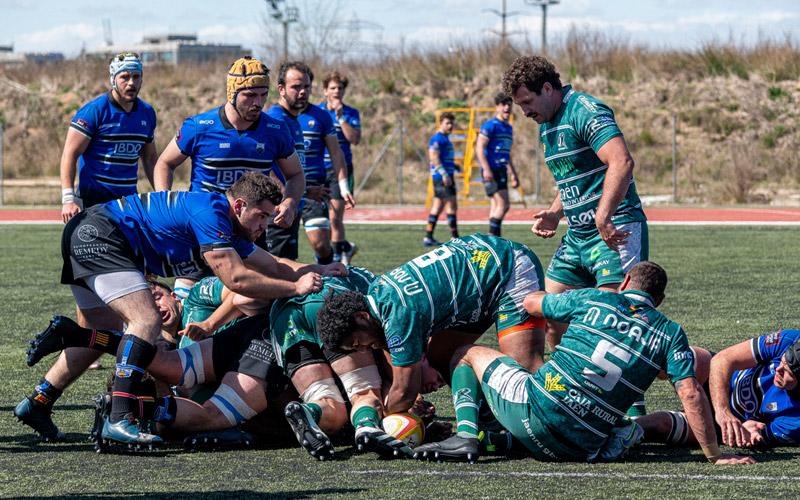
<point>545,222</point>
<point>727,361</point>
<point>351,133</point>
<point>480,152</point>
<point>514,176</point>
<point>272,265</point>
<point>615,154</point>
<point>698,415</point>
<point>170,159</point>
<point>226,311</point>
<point>149,159</point>
<point>74,146</point>
<point>292,191</point>
<point>533,303</point>
<point>406,384</point>
<point>340,169</point>
<point>435,159</point>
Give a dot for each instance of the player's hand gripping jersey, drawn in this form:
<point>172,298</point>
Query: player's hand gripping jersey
<point>755,397</point>
<point>498,149</point>
<point>467,282</point>
<point>571,140</point>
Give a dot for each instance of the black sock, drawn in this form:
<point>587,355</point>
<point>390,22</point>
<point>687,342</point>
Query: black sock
<point>346,246</point>
<point>431,225</point>
<point>45,394</point>
<point>106,341</point>
<point>453,223</point>
<point>338,247</point>
<point>325,260</point>
<point>133,357</point>
<point>494,226</point>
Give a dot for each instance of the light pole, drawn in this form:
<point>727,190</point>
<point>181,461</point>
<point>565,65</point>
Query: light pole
<point>286,16</point>
<point>543,4</point>
<point>503,15</point>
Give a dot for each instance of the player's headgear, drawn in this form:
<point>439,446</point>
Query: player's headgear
<point>127,61</point>
<point>246,73</point>
<point>792,357</point>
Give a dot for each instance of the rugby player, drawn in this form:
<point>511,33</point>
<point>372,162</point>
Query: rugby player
<point>593,169</point>
<point>493,149</point>
<point>442,165</point>
<point>437,302</point>
<point>229,140</point>
<point>347,121</point>
<point>754,391</point>
<point>107,249</point>
<point>573,407</point>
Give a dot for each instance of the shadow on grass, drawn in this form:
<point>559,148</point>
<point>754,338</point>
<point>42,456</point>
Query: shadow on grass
<point>56,408</point>
<point>655,453</point>
<point>322,492</point>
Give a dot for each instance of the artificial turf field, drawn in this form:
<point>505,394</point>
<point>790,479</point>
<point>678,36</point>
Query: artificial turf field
<point>726,284</point>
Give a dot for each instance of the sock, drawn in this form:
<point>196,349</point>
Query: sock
<point>494,226</point>
<point>314,409</point>
<point>106,341</point>
<point>453,223</point>
<point>324,260</point>
<point>338,247</point>
<point>431,225</point>
<point>467,396</point>
<point>133,356</point>
<point>366,416</point>
<point>497,443</point>
<point>346,246</point>
<point>637,409</point>
<point>45,394</point>
<point>165,411</point>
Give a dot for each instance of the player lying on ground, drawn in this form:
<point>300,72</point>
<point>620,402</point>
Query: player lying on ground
<point>573,407</point>
<point>754,391</point>
<point>450,296</point>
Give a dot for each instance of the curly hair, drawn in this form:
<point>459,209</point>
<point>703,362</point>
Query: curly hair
<point>532,72</point>
<point>335,319</point>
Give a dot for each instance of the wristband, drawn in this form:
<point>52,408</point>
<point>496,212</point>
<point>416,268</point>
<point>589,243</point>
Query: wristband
<point>441,171</point>
<point>344,187</point>
<point>67,196</point>
<point>712,452</point>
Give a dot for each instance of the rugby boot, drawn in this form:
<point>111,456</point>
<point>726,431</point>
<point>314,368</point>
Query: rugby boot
<point>454,448</point>
<point>37,417</point>
<point>228,439</point>
<point>308,433</point>
<point>347,257</point>
<point>51,339</point>
<point>128,431</point>
<point>102,409</point>
<point>430,242</point>
<point>622,438</point>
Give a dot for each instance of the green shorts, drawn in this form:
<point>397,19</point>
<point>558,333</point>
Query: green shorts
<point>509,391</point>
<point>527,277</point>
<point>586,261</point>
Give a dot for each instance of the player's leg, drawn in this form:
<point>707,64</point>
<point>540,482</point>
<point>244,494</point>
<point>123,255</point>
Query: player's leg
<point>668,427</point>
<point>283,241</point>
<point>451,207</point>
<point>341,246</point>
<point>442,346</point>
<point>318,230</point>
<point>499,208</point>
<point>437,205</point>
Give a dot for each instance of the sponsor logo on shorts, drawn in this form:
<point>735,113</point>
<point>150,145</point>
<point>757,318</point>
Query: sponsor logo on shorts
<point>552,382</point>
<point>87,233</point>
<point>605,272</point>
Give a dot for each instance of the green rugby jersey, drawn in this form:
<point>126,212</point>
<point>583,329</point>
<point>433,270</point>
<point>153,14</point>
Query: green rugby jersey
<point>571,140</point>
<point>612,351</point>
<point>203,299</point>
<point>456,284</point>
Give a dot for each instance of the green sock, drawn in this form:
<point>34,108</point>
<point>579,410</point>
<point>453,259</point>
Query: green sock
<point>315,410</point>
<point>638,408</point>
<point>467,397</point>
<point>366,415</point>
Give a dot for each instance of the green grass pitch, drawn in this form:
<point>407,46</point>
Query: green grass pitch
<point>727,284</point>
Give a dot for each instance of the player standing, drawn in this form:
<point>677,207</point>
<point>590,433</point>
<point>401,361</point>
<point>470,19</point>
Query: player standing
<point>443,167</point>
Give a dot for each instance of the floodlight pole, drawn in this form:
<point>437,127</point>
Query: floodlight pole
<point>286,17</point>
<point>543,4</point>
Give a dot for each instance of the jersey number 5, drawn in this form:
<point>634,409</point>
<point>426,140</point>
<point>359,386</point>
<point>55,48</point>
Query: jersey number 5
<point>613,372</point>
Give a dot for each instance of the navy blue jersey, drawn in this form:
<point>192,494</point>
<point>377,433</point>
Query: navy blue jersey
<point>221,154</point>
<point>439,142</point>
<point>353,118</point>
<point>170,230</point>
<point>317,125</point>
<point>295,130</point>
<point>755,397</point>
<point>498,149</point>
<point>108,168</point>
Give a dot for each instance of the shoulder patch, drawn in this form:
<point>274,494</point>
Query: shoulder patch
<point>773,338</point>
<point>393,341</point>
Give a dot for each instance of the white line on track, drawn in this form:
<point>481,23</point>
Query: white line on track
<point>596,475</point>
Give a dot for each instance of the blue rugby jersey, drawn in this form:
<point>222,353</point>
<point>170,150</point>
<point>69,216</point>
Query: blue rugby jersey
<point>221,154</point>
<point>353,118</point>
<point>498,149</point>
<point>170,230</point>
<point>108,168</point>
<point>439,142</point>
<point>755,397</point>
<point>295,130</point>
<point>317,125</point>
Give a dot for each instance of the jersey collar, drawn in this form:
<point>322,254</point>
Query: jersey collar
<point>640,296</point>
<point>228,125</point>
<point>114,103</point>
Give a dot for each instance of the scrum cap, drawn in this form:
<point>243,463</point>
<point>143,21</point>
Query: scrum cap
<point>792,357</point>
<point>127,61</point>
<point>246,73</point>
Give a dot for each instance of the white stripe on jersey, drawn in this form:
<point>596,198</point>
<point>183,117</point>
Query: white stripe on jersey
<point>560,127</point>
<point>568,410</point>
<point>584,174</point>
<point>583,202</point>
<point>452,290</point>
<point>566,153</point>
<point>396,289</point>
<point>575,383</point>
<point>427,292</point>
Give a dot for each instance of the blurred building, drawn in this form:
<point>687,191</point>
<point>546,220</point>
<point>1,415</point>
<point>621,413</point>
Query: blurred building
<point>9,58</point>
<point>174,48</point>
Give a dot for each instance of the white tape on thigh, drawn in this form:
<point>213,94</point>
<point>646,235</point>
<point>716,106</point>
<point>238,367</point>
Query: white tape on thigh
<point>192,366</point>
<point>360,380</point>
<point>232,405</point>
<point>317,223</point>
<point>325,388</point>
<point>679,433</point>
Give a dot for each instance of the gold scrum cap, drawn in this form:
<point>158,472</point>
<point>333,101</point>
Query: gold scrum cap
<point>246,73</point>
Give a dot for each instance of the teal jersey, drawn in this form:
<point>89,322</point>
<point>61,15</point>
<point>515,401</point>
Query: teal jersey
<point>294,319</point>
<point>571,140</point>
<point>459,283</point>
<point>204,298</point>
<point>612,351</point>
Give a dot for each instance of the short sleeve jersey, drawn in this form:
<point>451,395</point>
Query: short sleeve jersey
<point>755,397</point>
<point>458,283</point>
<point>498,149</point>
<point>441,143</point>
<point>571,140</point>
<point>317,126</point>
<point>613,349</point>
<point>295,130</point>
<point>170,230</point>
<point>353,118</point>
<point>221,154</point>
<point>204,298</point>
<point>107,170</point>
<point>294,319</point>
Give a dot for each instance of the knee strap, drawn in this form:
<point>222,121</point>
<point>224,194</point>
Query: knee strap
<point>317,223</point>
<point>232,405</point>
<point>325,388</point>
<point>360,380</point>
<point>192,366</point>
<point>679,432</point>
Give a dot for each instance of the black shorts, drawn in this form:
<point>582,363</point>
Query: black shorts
<point>91,244</point>
<point>307,353</point>
<point>245,347</point>
<point>499,183</point>
<point>336,194</point>
<point>442,191</point>
<point>313,209</point>
<point>281,241</point>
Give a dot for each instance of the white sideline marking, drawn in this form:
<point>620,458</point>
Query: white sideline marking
<point>598,475</point>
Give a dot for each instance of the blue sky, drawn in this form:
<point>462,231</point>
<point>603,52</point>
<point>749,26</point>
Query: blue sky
<point>66,26</point>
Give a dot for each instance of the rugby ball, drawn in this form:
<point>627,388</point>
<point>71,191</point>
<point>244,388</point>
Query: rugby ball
<point>406,427</point>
